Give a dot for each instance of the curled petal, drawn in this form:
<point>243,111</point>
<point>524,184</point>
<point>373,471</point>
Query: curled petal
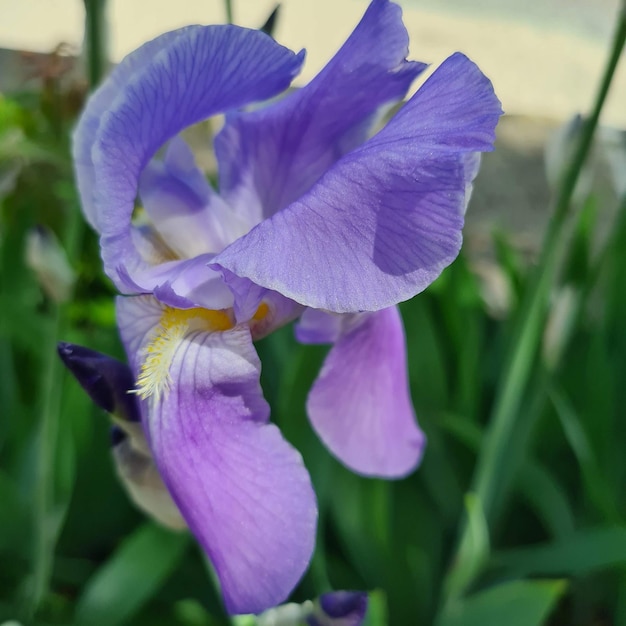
<point>241,488</point>
<point>360,404</point>
<point>263,310</point>
<point>193,75</point>
<point>386,219</point>
<point>315,326</point>
<point>139,475</point>
<point>270,156</point>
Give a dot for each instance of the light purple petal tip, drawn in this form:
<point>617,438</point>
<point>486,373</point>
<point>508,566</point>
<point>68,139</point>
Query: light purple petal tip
<point>360,404</point>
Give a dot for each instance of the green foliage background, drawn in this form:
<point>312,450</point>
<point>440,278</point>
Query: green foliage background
<point>516,516</point>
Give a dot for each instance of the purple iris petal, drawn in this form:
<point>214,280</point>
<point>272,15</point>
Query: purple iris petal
<point>384,221</point>
<point>183,207</point>
<point>271,156</point>
<point>360,404</point>
<point>137,317</point>
<point>343,608</point>
<point>183,284</point>
<point>97,105</point>
<point>242,489</point>
<point>105,379</point>
<point>200,72</point>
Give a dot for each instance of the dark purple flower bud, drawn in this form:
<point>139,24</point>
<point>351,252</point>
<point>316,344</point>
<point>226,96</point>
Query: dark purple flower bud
<point>106,380</point>
<point>339,608</point>
<point>117,435</point>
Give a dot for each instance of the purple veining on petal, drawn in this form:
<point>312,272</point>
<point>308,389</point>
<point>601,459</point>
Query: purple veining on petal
<point>183,284</point>
<point>315,326</point>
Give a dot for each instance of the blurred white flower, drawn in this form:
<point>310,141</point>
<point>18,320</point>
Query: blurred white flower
<point>46,257</point>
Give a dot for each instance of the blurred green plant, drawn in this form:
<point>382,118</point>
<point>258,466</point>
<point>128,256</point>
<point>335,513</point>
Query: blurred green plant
<point>543,529</point>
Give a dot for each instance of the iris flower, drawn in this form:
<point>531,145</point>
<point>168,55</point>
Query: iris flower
<point>319,218</point>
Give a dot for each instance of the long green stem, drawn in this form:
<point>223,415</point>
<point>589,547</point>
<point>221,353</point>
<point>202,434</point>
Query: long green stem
<point>95,40</point>
<point>228,4</point>
<point>526,338</point>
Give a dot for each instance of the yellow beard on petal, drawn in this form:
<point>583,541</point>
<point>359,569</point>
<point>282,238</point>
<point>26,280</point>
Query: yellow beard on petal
<point>154,378</point>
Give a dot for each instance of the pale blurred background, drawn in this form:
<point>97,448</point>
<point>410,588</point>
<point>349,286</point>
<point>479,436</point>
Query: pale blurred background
<point>545,56</point>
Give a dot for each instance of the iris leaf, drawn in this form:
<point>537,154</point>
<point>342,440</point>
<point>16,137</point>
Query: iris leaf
<point>132,576</point>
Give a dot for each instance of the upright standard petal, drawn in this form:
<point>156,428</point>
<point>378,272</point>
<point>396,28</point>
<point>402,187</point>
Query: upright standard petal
<point>360,404</point>
<point>188,215</point>
<point>242,489</point>
<point>201,72</point>
<point>271,156</point>
<point>386,219</point>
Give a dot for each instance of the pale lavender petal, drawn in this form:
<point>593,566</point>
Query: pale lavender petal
<point>137,318</point>
<point>200,72</point>
<point>247,296</point>
<point>242,489</point>
<point>139,475</point>
<point>471,164</point>
<point>188,215</point>
<point>341,608</point>
<point>269,157</point>
<point>386,219</point>
<point>360,404</point>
